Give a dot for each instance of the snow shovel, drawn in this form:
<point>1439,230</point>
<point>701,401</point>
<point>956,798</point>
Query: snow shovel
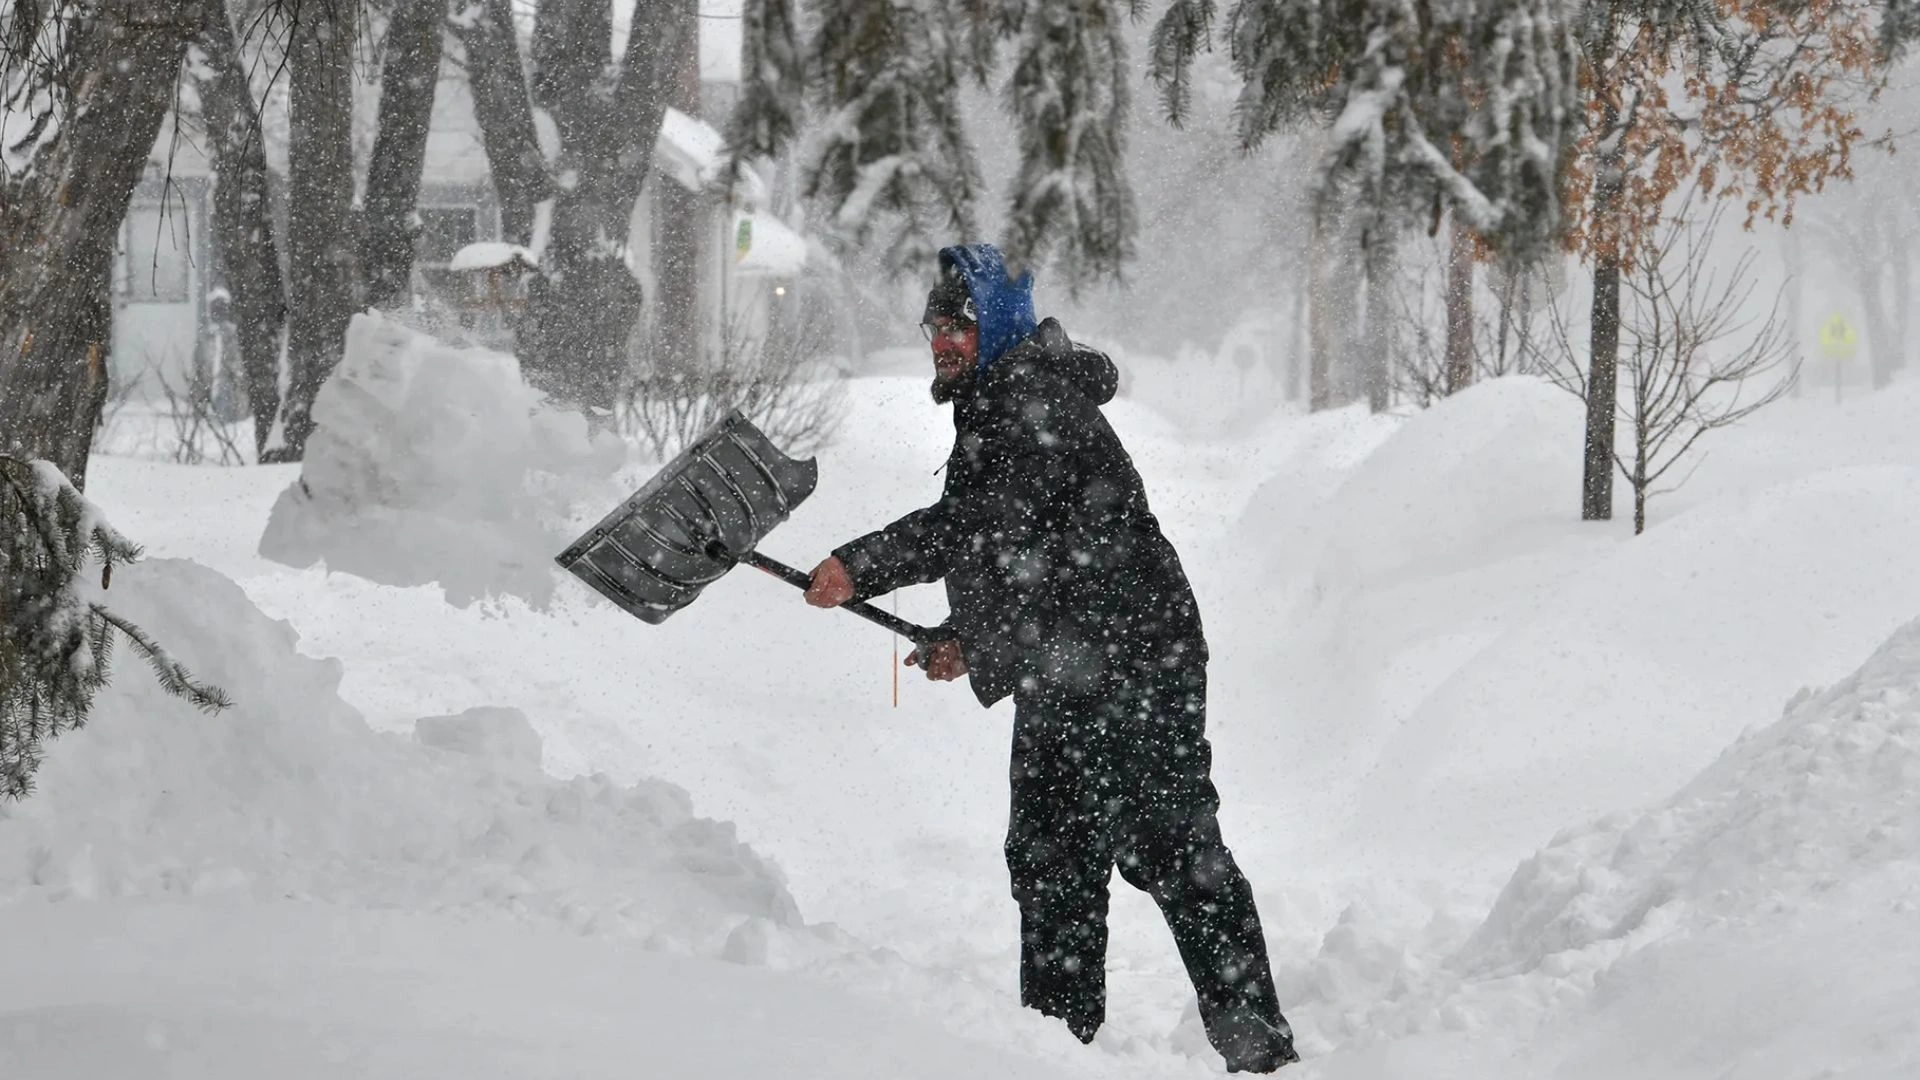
<point>705,512</point>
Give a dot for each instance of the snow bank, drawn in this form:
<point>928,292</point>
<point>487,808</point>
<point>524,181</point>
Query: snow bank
<point>1629,668</point>
<point>1463,480</point>
<point>1756,922</point>
<point>1233,386</point>
<point>291,794</point>
<point>1825,799</point>
<point>430,463</point>
<point>1462,664</point>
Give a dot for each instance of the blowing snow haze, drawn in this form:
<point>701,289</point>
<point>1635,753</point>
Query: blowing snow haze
<point>1409,573</point>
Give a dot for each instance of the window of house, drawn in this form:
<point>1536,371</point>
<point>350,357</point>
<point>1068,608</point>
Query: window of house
<point>157,257</point>
<point>444,230</point>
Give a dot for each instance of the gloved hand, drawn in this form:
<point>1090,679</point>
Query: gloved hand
<point>944,662</point>
<point>831,585</point>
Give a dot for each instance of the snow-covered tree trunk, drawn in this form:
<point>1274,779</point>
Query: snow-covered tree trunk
<point>321,246</point>
<point>584,303</point>
<point>1458,372</point>
<point>409,71</point>
<point>504,112</point>
<point>243,233</point>
<point>97,85</point>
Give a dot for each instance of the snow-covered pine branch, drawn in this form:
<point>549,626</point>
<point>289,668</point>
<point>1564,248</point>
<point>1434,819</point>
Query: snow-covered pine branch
<point>55,643</point>
<point>1068,94</point>
<point>1471,104</point>
<point>887,77</point>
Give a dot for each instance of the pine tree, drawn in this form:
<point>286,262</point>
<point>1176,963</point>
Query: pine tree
<point>893,151</point>
<point>1068,92</point>
<point>55,644</point>
<point>892,162</point>
<point>1466,104</point>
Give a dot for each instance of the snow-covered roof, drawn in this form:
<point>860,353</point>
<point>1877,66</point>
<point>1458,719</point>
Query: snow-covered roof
<point>694,155</point>
<point>489,253</point>
<point>773,249</point>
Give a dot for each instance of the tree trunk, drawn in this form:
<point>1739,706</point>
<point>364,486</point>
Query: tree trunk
<point>1377,343</point>
<point>1796,294</point>
<point>243,238</point>
<point>1901,255</point>
<point>505,116</point>
<point>585,301</point>
<point>408,74</point>
<point>1319,319</point>
<point>1458,365</point>
<point>60,222</point>
<point>320,227</point>
<point>680,228</point>
<point>1596,487</point>
<point>1596,482</point>
<point>1346,276</point>
<point>1881,347</point>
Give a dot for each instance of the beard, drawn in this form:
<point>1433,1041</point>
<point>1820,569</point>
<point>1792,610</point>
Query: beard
<point>947,388</point>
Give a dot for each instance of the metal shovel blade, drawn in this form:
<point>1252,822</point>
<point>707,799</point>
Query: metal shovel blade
<point>688,525</point>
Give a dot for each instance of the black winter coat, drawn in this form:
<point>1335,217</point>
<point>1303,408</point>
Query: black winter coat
<point>1057,574</point>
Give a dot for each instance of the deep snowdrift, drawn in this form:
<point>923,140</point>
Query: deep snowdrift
<point>1424,666</point>
<point>1475,666</point>
<point>290,794</point>
<point>1825,800</point>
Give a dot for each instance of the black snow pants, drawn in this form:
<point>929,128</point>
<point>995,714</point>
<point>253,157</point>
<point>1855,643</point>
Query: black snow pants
<point>1122,779</point>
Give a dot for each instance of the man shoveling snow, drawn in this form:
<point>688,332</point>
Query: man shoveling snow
<point>1065,594</point>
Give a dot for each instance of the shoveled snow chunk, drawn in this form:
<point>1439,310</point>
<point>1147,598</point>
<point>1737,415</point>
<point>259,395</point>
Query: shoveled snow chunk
<point>488,732</point>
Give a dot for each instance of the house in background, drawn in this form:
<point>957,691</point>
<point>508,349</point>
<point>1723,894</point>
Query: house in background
<point>167,299</point>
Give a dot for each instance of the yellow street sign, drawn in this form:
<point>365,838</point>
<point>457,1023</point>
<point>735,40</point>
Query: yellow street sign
<point>1837,339</point>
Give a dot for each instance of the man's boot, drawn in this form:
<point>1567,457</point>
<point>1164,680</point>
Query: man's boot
<point>1250,1044</point>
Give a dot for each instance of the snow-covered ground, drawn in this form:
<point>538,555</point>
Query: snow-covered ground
<point>1520,797</point>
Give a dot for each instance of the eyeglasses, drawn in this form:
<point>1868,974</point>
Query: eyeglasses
<point>954,331</point>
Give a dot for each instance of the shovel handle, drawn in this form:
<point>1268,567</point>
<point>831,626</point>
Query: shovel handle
<point>920,636</point>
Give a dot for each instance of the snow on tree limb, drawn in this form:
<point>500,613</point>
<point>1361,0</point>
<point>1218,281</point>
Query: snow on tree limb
<point>55,643</point>
<point>1068,92</point>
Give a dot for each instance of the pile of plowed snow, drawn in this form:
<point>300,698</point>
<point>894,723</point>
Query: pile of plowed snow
<point>1757,922</point>
<point>290,794</point>
<point>1825,800</point>
<point>435,463</point>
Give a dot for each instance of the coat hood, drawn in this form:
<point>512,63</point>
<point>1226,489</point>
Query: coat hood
<point>1051,352</point>
<point>1004,304</point>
